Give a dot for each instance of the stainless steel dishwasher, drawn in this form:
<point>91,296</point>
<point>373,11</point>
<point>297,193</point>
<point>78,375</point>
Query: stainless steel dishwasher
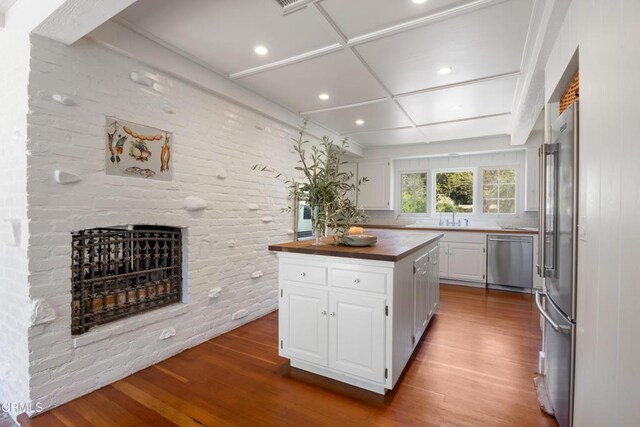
<point>510,262</point>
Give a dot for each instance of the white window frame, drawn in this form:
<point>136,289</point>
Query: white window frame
<point>476,209</point>
<point>518,197</point>
<point>399,193</point>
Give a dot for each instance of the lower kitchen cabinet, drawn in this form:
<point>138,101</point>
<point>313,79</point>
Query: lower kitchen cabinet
<point>426,291</point>
<point>303,323</point>
<point>356,335</point>
<point>463,261</point>
<point>356,320</point>
<point>466,261</point>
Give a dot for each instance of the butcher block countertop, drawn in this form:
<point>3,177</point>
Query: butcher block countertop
<point>441,229</point>
<point>393,245</point>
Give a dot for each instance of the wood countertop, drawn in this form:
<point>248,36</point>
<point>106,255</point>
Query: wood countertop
<point>447,229</point>
<point>393,245</point>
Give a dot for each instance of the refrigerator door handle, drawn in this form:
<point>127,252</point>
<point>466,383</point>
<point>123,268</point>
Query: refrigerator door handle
<point>558,328</point>
<point>550,230</point>
<point>542,164</point>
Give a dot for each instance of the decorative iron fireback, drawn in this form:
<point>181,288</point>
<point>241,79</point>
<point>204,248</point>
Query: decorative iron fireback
<point>118,272</point>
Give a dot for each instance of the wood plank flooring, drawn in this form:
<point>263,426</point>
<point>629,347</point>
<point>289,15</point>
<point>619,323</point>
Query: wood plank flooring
<point>474,368</point>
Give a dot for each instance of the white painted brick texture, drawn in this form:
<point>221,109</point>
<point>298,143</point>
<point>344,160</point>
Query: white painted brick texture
<point>209,134</point>
<point>14,291</point>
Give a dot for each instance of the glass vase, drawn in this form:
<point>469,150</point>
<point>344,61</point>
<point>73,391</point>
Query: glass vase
<point>319,229</point>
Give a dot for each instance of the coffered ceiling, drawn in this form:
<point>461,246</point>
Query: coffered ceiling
<point>377,60</point>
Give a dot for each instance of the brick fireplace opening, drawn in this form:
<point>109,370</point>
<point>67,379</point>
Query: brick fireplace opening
<point>119,272</point>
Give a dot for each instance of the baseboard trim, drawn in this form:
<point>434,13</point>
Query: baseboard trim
<point>318,370</point>
<point>463,283</point>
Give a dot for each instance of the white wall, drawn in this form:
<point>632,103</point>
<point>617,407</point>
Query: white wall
<point>14,291</point>
<point>209,133</point>
<point>608,345</point>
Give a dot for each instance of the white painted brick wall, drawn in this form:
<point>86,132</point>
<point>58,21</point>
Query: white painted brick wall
<point>209,133</point>
<point>14,291</point>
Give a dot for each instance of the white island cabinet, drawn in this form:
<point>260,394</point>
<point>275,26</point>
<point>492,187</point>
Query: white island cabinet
<point>356,314</point>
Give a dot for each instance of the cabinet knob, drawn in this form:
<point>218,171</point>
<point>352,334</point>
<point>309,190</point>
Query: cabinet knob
<point>323,312</point>
<point>303,274</point>
<point>356,281</point>
<point>332,314</point>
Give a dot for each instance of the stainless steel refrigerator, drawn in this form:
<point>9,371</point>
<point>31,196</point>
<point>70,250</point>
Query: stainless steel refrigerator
<point>557,259</point>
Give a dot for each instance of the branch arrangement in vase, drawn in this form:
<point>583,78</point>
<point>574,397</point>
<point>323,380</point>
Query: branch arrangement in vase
<point>323,186</point>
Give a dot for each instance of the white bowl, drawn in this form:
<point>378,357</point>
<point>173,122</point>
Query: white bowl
<point>360,240</point>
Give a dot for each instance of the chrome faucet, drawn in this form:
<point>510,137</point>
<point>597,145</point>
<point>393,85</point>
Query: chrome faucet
<point>453,219</point>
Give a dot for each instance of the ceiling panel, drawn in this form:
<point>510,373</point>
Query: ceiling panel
<point>349,16</point>
<point>298,85</point>
<point>389,137</point>
<point>475,128</point>
<point>478,44</point>
<point>380,115</point>
<point>478,99</point>
<point>6,5</point>
<point>223,33</point>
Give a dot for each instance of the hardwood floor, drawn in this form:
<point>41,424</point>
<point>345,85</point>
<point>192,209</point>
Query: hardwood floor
<point>474,368</point>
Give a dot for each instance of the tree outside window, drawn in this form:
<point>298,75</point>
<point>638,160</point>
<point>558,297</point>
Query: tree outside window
<point>499,191</point>
<point>414,192</point>
<point>454,190</point>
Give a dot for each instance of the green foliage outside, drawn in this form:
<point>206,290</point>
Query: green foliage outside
<point>454,190</point>
<point>414,193</point>
<point>499,191</point>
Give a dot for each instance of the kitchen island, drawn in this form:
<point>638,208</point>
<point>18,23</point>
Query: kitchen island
<point>355,314</point>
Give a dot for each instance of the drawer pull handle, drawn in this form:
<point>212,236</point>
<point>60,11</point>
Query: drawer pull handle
<point>323,312</point>
<point>356,281</point>
<point>332,314</point>
<point>303,274</point>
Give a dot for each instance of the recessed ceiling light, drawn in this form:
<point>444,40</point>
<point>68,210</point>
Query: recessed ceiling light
<point>419,1</point>
<point>261,50</point>
<point>456,107</point>
<point>444,70</point>
<point>323,96</point>
<point>359,122</point>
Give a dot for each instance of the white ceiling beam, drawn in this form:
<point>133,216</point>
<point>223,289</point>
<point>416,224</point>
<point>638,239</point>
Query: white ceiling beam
<point>481,145</point>
<point>288,61</point>
<point>529,98</point>
<point>426,125</point>
<point>342,107</point>
<point>467,119</point>
<point>422,21</point>
<point>458,84</point>
<point>73,19</point>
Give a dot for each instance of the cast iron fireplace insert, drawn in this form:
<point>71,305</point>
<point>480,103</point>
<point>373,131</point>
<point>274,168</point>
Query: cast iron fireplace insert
<point>117,272</point>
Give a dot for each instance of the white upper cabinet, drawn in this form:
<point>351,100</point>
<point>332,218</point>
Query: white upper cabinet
<point>376,193</point>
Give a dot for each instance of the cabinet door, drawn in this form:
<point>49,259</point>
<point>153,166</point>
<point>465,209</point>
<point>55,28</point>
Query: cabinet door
<point>466,261</point>
<point>421,294</point>
<point>357,335</point>
<point>353,168</point>
<point>434,279</point>
<point>303,324</point>
<point>443,258</point>
<point>375,194</point>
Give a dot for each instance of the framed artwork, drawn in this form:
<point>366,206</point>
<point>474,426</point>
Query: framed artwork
<point>138,151</point>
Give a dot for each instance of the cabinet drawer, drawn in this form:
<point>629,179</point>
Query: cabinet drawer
<point>308,274</point>
<point>360,280</point>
